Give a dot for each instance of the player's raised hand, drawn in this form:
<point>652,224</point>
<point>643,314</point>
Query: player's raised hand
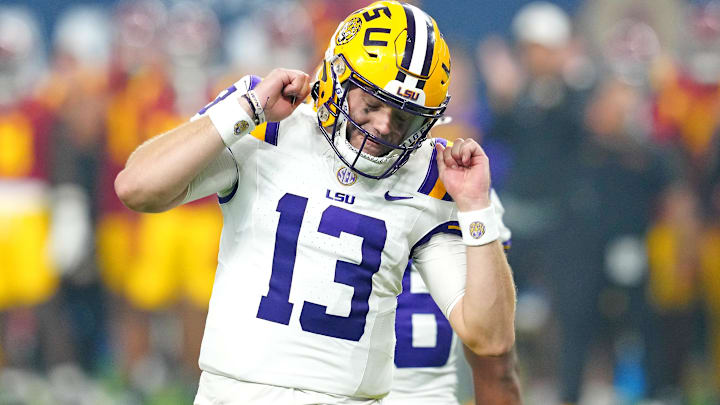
<point>281,91</point>
<point>465,171</point>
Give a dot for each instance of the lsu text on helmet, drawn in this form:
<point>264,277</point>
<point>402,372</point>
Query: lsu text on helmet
<point>396,53</point>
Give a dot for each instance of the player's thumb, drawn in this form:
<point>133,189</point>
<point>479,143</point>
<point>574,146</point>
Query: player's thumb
<point>440,156</point>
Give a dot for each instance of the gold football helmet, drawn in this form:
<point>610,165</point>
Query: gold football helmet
<point>395,52</point>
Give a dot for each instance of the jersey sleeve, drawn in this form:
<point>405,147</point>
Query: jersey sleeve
<point>440,259</point>
<point>218,177</point>
<point>442,264</point>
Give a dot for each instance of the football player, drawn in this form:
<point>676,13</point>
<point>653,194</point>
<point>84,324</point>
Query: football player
<point>426,352</point>
<point>323,205</point>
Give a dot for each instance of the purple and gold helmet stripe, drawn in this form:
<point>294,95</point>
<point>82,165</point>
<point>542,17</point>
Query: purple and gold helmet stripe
<point>428,53</point>
<point>430,47</point>
<point>419,47</point>
<point>410,39</point>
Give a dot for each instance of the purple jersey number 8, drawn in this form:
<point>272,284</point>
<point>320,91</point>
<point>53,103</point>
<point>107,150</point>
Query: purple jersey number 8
<point>406,355</point>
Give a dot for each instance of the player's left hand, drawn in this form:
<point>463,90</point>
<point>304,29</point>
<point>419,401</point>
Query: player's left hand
<point>465,171</point>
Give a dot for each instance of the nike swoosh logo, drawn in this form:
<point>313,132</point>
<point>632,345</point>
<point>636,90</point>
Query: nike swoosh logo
<point>395,198</point>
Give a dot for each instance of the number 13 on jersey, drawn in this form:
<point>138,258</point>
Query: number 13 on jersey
<point>276,306</point>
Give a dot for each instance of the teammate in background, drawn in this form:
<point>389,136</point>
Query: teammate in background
<point>322,207</point>
<point>426,352</point>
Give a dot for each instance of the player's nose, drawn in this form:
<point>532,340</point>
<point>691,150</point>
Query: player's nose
<point>382,121</point>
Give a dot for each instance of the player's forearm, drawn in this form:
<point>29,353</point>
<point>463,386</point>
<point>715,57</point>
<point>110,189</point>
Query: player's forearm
<point>487,311</point>
<point>157,174</point>
<point>495,378</point>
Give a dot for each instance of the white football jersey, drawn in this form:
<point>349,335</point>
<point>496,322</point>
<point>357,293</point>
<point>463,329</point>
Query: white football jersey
<point>311,262</point>
<point>425,352</point>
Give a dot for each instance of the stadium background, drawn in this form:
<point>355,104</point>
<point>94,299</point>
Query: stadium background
<point>603,142</point>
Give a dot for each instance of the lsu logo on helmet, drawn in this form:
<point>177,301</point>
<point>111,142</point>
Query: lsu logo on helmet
<point>349,31</point>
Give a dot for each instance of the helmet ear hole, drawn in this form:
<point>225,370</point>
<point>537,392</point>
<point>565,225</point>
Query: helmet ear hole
<point>314,91</point>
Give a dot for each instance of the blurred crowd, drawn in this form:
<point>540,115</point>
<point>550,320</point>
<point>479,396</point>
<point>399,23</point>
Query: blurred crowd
<point>602,126</point>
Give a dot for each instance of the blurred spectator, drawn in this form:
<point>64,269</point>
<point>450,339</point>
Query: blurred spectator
<point>139,89</point>
<point>537,115</point>
<point>159,272</point>
<point>32,338</point>
<point>634,38</point>
<point>27,277</point>
<point>631,182</point>
<point>687,111</point>
<point>78,85</point>
<point>687,103</point>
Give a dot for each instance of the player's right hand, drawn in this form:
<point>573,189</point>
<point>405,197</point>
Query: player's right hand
<point>281,91</point>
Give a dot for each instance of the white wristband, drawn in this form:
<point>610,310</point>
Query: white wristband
<point>231,120</point>
<point>257,107</point>
<point>479,227</point>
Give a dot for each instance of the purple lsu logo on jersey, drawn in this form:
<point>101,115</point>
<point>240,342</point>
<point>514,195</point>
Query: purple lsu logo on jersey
<point>341,197</point>
<point>346,176</point>
<point>407,93</point>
